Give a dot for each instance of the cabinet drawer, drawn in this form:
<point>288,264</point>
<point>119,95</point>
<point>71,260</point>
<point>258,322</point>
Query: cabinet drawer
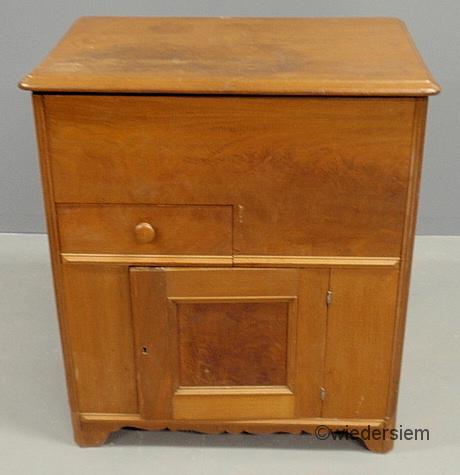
<point>145,229</point>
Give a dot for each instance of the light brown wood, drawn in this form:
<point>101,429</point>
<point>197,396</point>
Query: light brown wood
<point>241,406</point>
<point>164,300</point>
<point>144,232</point>
<point>407,250</point>
<point>308,155</point>
<point>286,223</point>
<point>106,423</point>
<point>306,56</point>
<point>98,315</point>
<point>231,390</point>
<point>237,261</point>
<point>112,229</point>
<point>310,340</point>
<point>359,338</point>
<point>314,261</point>
<point>254,355</point>
<point>91,435</point>
<point>53,239</point>
<point>152,259</point>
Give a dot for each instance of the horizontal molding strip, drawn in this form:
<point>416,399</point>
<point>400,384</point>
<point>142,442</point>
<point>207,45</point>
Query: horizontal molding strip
<point>137,421</point>
<point>235,299</point>
<point>231,390</point>
<point>237,261</point>
<point>315,261</point>
<point>147,259</point>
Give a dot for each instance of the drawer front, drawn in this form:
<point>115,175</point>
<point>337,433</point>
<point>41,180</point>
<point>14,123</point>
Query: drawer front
<point>145,229</point>
<point>305,176</point>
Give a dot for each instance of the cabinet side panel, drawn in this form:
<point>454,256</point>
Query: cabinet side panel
<point>418,136</point>
<point>41,126</point>
<point>359,341</point>
<point>97,311</point>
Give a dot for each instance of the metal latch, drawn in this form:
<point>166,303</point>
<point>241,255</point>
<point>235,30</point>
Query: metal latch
<point>322,394</point>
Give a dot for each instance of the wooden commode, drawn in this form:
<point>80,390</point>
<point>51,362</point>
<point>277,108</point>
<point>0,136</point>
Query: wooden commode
<point>231,207</point>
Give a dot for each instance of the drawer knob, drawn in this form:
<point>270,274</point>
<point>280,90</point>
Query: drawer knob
<point>144,232</point>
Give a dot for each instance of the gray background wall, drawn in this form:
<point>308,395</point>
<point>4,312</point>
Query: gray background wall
<point>30,28</point>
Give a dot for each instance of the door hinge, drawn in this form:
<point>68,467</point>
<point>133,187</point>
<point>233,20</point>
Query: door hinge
<point>329,297</point>
<point>322,394</point>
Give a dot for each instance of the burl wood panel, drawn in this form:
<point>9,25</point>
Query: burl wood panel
<point>359,344</point>
<point>305,176</point>
<point>98,318</point>
<point>178,229</point>
<point>320,56</point>
<point>228,344</point>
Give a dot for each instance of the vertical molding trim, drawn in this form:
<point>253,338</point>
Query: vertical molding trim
<point>39,107</point>
<point>420,110</point>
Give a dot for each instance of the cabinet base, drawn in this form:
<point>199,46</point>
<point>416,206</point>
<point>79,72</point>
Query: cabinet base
<point>92,435</point>
<point>94,429</point>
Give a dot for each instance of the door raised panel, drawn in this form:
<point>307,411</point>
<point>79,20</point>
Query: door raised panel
<point>233,343</point>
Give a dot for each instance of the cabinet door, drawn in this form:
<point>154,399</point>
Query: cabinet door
<point>360,330</point>
<point>229,343</point>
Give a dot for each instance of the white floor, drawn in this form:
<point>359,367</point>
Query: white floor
<point>35,432</point>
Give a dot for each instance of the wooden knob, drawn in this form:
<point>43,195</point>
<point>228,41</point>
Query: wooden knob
<point>144,232</point>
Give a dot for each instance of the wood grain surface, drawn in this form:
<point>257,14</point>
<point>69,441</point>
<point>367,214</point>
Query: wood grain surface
<point>98,318</point>
<point>233,344</point>
<point>305,56</point>
<point>287,223</point>
<point>179,230</point>
<point>282,324</point>
<point>360,329</point>
<point>305,176</point>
